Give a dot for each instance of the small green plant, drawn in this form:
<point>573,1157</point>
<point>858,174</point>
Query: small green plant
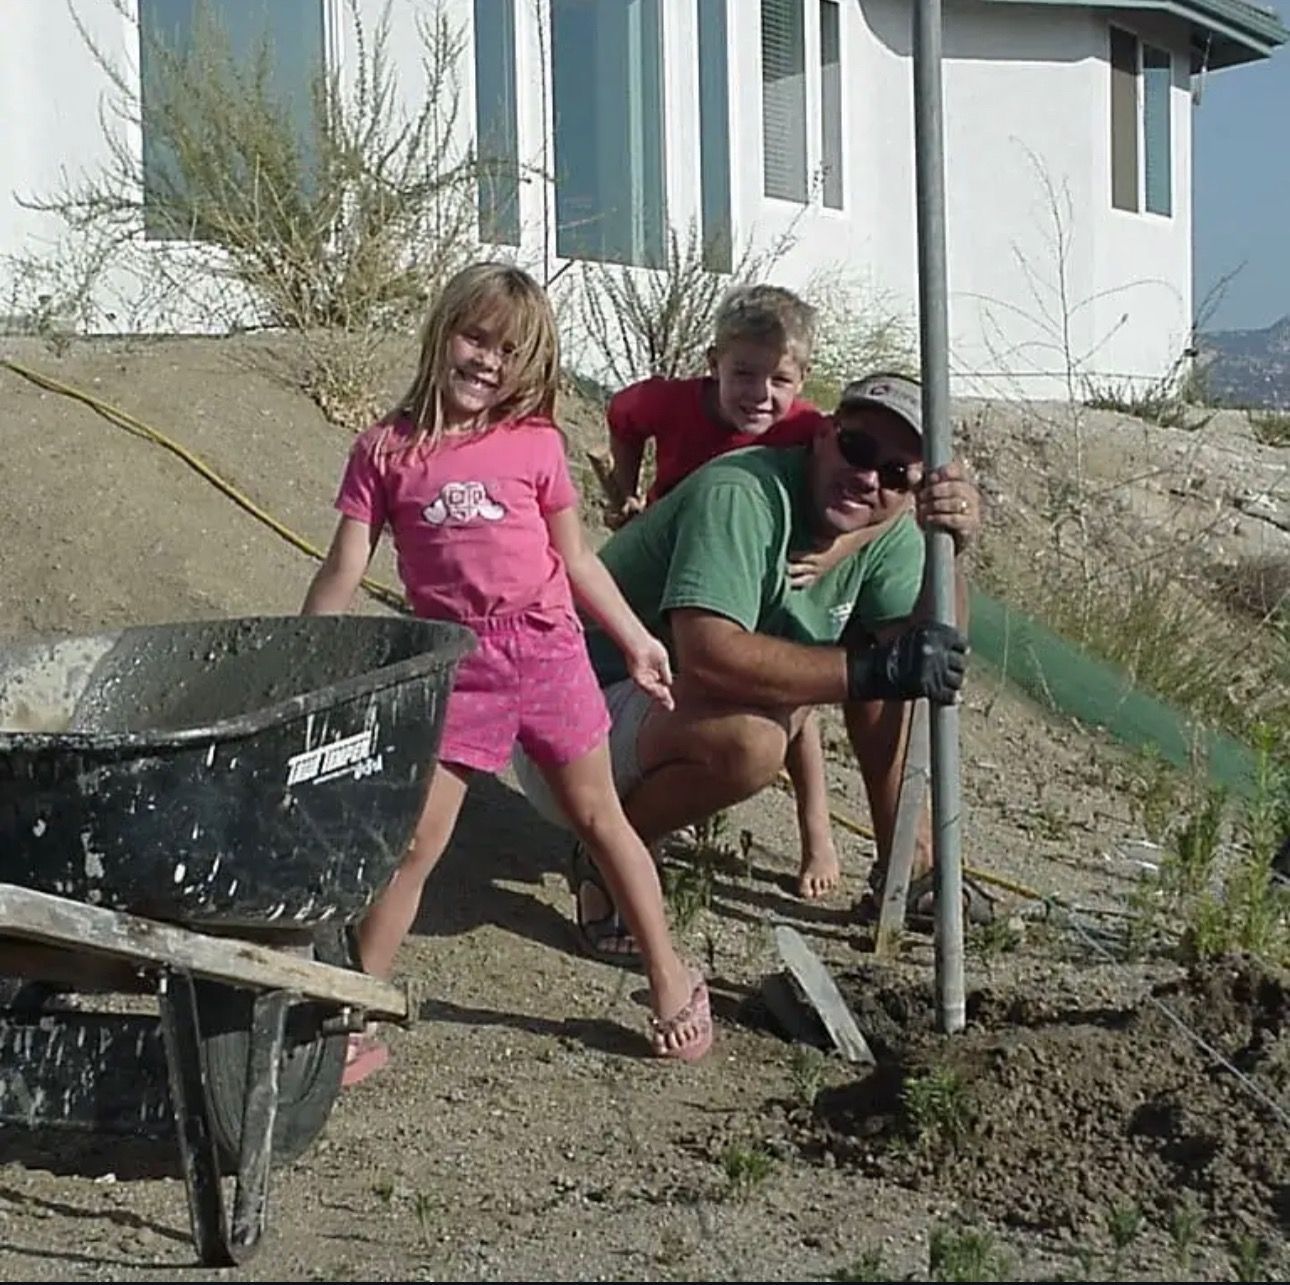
<point>711,836</point>
<point>688,889</point>
<point>867,1267</point>
<point>808,1069</point>
<point>966,1255</point>
<point>383,1190</point>
<point>1250,1259</point>
<point>426,1208</point>
<point>1216,880</point>
<point>1165,402</point>
<point>674,1247</point>
<point>937,1106</point>
<point>746,1166</point>
<point>1270,427</point>
<point>1123,1224</point>
<point>1000,936</point>
<point>1155,792</point>
<point>1053,822</point>
<point>1185,1223</point>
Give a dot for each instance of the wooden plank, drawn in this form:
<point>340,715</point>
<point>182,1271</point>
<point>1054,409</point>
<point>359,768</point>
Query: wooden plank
<point>85,929</point>
<point>821,992</point>
<point>914,785</point>
<point>90,973</point>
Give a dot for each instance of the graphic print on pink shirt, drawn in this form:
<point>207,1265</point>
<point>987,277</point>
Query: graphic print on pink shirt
<point>468,519</point>
<point>463,502</point>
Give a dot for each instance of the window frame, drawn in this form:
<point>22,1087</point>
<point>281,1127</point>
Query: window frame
<point>149,232</point>
<point>832,115</point>
<point>499,220</point>
<point>792,191</point>
<point>1132,147</point>
<point>654,169</point>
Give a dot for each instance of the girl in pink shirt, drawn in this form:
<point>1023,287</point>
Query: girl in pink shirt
<point>469,474</point>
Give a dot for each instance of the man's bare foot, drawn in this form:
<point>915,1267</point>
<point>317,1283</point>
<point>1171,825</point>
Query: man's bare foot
<point>821,871</point>
<point>604,931</point>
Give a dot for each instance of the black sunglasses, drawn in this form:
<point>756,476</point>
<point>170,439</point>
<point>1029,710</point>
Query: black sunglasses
<point>863,453</point>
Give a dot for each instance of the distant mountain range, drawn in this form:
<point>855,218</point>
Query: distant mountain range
<point>1247,367</point>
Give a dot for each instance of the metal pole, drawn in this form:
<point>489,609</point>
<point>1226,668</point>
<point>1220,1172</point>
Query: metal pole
<point>933,313</point>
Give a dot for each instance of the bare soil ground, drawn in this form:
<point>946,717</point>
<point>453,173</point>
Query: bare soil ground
<point>520,1131</point>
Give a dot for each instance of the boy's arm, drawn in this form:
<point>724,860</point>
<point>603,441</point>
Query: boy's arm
<point>625,475</point>
<point>336,581</point>
<point>627,440</point>
<point>806,566</point>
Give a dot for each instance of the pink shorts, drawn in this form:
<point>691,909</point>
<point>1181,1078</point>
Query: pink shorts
<point>526,681</point>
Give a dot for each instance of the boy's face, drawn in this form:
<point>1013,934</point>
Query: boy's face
<point>756,383</point>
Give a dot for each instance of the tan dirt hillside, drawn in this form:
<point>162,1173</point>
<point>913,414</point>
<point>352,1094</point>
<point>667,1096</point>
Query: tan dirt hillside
<point>520,1131</point>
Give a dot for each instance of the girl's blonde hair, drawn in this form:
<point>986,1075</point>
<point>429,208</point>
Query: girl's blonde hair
<point>507,300</point>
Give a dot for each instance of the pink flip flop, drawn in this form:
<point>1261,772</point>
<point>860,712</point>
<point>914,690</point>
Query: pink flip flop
<point>364,1056</point>
<point>697,1009</point>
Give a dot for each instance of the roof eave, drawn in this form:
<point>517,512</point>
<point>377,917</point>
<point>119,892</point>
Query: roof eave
<point>1224,33</point>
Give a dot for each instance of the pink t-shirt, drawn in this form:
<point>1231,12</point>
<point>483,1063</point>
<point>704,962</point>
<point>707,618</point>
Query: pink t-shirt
<point>468,518</point>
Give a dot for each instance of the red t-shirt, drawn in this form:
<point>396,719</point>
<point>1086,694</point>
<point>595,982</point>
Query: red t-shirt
<point>675,413</point>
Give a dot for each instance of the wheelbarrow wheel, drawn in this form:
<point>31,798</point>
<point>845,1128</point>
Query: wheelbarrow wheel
<point>309,1073</point>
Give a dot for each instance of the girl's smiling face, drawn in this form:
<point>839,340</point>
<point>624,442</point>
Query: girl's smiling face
<point>475,373</point>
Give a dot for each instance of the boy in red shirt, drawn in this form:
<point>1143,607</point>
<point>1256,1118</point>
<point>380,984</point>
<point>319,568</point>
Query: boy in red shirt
<point>759,358</point>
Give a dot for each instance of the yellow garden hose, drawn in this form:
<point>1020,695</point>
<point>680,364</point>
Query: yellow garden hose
<point>382,592</point>
<point>377,589</point>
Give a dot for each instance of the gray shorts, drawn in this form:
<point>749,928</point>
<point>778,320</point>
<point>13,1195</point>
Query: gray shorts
<point>628,705</point>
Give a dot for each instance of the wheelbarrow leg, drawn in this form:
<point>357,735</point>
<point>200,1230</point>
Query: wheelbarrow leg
<point>190,1102</point>
<point>259,1112</point>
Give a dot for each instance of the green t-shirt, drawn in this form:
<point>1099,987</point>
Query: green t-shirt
<point>720,540</point>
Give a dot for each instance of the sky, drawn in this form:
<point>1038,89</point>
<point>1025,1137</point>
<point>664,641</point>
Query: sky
<point>1241,192</point>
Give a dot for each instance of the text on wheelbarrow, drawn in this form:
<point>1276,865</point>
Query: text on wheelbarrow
<point>351,756</point>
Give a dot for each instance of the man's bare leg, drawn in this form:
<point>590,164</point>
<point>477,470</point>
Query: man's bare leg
<point>820,871</point>
<point>695,760</point>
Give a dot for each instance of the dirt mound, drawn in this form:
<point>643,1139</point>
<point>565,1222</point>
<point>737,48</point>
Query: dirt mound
<point>1048,1117</point>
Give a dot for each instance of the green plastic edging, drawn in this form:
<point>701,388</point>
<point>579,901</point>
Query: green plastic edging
<point>1060,676</point>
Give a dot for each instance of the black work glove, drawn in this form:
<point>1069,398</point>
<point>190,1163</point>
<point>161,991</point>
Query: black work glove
<point>927,660</point>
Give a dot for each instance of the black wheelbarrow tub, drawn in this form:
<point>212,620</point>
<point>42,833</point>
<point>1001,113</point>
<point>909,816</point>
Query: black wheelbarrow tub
<point>256,773</point>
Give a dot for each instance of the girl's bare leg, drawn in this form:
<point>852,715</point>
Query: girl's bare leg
<point>585,793</point>
<point>392,914</point>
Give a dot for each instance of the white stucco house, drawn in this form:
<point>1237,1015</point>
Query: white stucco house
<point>1068,143</point>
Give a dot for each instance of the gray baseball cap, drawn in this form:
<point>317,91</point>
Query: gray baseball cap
<point>897,393</point>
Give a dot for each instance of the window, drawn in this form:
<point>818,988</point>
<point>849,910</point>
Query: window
<point>607,86</point>
<point>831,102</point>
<point>1141,93</point>
<point>714,136</point>
<point>1124,120</point>
<point>1157,141</point>
<point>269,48</point>
<point>496,129</point>
<point>783,87</point>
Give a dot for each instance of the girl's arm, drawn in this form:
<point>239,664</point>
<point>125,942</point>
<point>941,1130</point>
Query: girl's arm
<point>337,580</point>
<point>598,595</point>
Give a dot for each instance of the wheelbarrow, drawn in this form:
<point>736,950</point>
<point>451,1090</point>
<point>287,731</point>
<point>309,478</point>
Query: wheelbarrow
<point>201,812</point>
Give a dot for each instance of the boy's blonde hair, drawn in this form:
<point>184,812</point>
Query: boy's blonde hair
<point>768,315</point>
<point>503,298</point>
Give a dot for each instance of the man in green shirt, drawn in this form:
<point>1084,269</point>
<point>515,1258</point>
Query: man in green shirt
<point>707,569</point>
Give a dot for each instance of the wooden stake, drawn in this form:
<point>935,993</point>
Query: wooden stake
<point>909,811</point>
